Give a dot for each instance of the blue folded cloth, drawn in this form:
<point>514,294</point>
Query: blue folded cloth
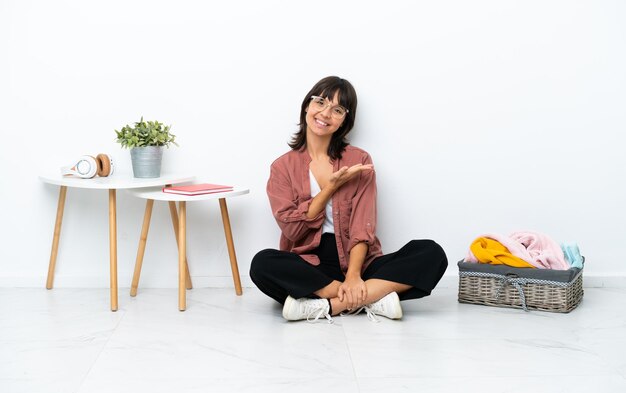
<point>572,255</point>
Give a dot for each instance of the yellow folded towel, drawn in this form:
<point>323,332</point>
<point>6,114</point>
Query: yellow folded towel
<point>492,251</point>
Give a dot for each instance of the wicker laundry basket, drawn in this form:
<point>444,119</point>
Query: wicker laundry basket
<point>525,288</point>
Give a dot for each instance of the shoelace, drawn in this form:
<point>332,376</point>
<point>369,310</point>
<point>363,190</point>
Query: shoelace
<point>320,313</point>
<point>371,315</point>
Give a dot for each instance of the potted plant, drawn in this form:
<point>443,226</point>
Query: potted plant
<point>146,140</point>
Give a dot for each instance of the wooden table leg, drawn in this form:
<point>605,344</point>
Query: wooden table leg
<point>231,246</point>
<point>113,247</point>
<point>56,237</point>
<point>182,251</point>
<point>142,246</point>
<point>174,215</point>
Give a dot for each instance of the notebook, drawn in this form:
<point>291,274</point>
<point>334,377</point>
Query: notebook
<point>197,189</point>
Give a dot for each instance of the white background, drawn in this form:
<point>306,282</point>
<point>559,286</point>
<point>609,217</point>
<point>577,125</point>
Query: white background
<point>481,116</point>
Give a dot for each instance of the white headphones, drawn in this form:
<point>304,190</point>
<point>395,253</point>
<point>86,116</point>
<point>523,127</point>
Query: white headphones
<point>87,167</point>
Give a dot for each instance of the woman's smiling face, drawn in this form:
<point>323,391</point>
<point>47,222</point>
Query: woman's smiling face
<point>322,123</point>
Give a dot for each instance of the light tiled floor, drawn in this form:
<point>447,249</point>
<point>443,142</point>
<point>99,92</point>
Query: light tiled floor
<point>66,340</point>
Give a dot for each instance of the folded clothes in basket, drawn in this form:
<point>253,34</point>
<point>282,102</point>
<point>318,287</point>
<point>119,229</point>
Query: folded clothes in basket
<point>519,249</point>
<point>572,255</point>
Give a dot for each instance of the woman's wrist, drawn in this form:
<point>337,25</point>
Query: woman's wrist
<point>330,188</point>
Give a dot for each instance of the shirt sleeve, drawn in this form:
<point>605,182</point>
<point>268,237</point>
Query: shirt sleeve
<point>289,210</point>
<point>363,219</point>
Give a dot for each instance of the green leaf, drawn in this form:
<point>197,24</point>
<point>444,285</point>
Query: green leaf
<point>145,133</point>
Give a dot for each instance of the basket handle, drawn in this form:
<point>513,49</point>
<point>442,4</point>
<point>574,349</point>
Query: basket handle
<point>513,279</point>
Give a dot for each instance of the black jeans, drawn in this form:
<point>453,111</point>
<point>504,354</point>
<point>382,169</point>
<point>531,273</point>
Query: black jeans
<point>278,274</point>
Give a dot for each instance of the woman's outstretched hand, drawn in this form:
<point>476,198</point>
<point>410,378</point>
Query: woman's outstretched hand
<point>354,291</point>
<point>344,174</point>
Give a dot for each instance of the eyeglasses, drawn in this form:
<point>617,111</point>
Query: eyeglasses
<point>320,104</point>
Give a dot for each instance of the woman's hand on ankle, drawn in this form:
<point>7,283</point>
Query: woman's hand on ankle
<point>353,291</point>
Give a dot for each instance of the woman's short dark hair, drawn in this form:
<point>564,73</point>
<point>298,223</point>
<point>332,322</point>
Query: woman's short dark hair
<point>327,88</point>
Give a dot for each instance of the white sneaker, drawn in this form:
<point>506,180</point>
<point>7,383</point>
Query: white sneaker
<point>388,306</point>
<point>298,309</point>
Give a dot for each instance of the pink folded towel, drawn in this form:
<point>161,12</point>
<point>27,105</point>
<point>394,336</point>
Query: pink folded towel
<point>543,250</point>
<point>535,248</point>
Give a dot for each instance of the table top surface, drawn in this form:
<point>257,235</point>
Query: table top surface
<point>116,181</point>
<point>157,194</point>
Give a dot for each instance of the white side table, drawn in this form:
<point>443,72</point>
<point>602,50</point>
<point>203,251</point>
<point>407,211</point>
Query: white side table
<point>112,184</point>
<point>184,282</point>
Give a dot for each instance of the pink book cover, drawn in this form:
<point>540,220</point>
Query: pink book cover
<point>197,189</point>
